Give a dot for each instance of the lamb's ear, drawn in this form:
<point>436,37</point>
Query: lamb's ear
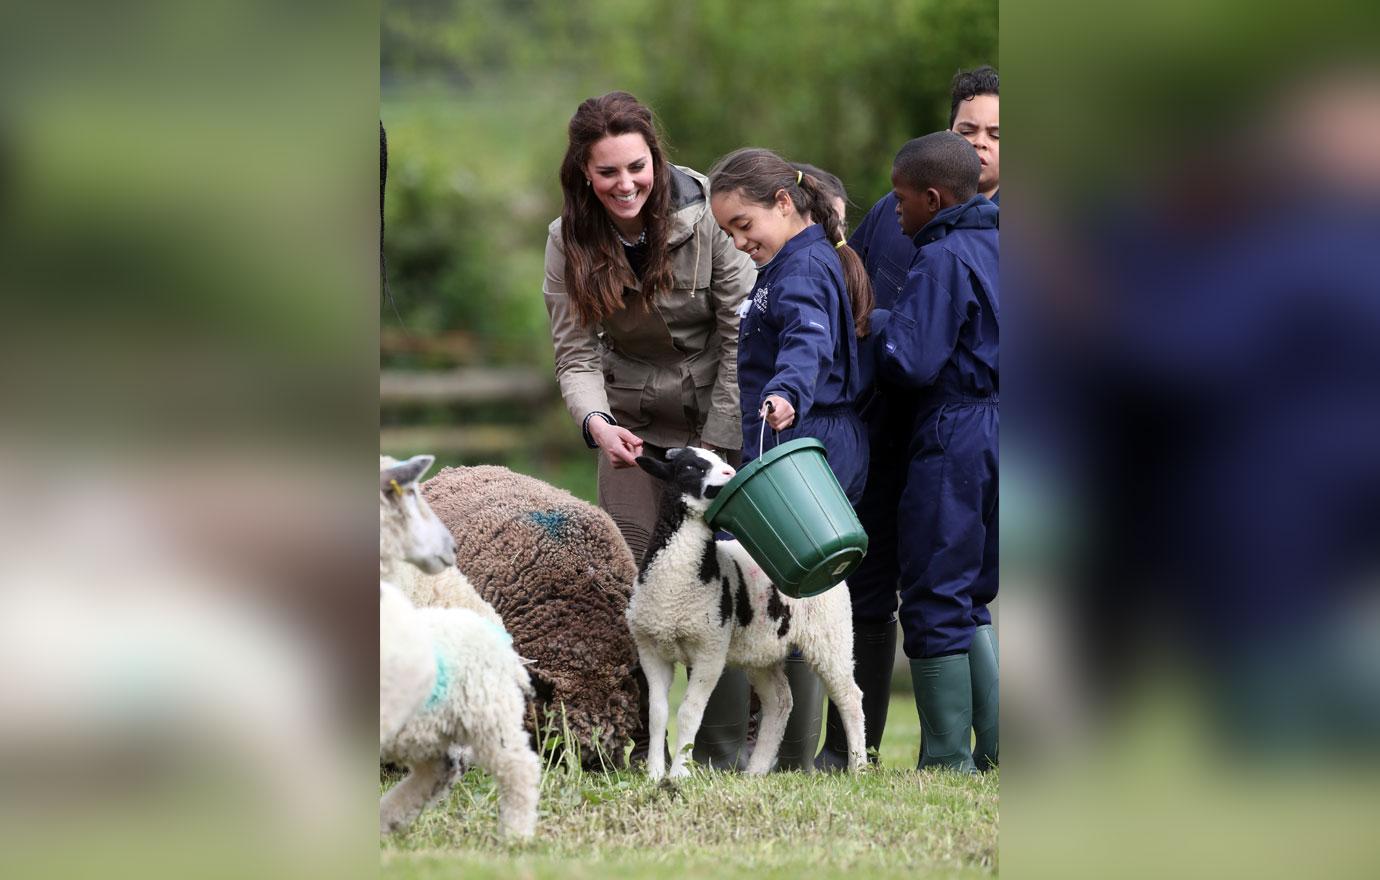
<point>423,464</point>
<point>406,473</point>
<point>659,469</point>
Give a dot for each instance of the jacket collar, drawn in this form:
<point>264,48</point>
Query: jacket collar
<point>976,213</point>
<point>689,202</point>
<point>803,239</point>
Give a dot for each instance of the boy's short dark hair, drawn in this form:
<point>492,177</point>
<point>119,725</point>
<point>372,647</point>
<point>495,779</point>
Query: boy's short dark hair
<point>968,84</point>
<point>942,160</point>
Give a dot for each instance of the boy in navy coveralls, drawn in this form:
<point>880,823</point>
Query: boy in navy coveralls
<point>975,113</point>
<point>938,363</point>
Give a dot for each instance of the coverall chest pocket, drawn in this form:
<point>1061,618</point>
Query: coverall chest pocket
<point>890,279</point>
<point>751,323</point>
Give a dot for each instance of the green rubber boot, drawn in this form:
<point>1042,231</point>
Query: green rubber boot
<point>802,725</point>
<point>719,741</point>
<point>944,698</point>
<point>983,665</point>
<point>874,658</point>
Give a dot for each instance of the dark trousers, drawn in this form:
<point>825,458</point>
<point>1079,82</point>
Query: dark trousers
<point>948,520</point>
<point>873,587</point>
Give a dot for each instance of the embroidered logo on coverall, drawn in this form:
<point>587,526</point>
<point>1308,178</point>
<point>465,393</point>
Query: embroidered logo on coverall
<point>759,298</point>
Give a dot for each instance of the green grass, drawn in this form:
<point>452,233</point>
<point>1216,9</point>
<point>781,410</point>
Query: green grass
<point>887,822</point>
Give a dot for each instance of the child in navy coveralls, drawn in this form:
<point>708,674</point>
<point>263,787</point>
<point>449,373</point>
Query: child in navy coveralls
<point>798,366</point>
<point>938,362</point>
<point>798,339</point>
<point>975,113</point>
<point>887,253</point>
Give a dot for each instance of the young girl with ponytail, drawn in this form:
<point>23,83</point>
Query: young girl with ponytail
<point>798,338</point>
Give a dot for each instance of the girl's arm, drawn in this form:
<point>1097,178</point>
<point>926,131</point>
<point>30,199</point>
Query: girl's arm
<point>806,342</point>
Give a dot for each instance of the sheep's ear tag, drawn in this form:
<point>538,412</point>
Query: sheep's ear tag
<point>397,490</point>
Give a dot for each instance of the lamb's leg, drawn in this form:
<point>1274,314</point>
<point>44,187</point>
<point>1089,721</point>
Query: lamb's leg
<point>503,750</point>
<point>704,674</point>
<point>774,691</point>
<point>659,673</point>
<point>426,781</point>
<point>837,674</point>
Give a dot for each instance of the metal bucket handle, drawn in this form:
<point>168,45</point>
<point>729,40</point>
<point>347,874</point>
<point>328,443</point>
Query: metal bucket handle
<point>762,433</point>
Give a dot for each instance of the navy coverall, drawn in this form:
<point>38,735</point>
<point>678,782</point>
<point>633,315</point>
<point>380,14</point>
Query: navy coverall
<point>939,356</point>
<point>797,340</point>
<point>887,253</point>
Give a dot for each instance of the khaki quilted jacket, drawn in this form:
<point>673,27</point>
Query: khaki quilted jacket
<point>670,375</point>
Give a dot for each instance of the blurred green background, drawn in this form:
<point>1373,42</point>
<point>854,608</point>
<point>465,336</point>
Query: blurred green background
<point>476,96</point>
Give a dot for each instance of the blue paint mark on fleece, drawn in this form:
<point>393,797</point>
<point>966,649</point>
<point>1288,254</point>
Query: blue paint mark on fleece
<point>442,681</point>
<point>438,690</point>
<point>553,522</point>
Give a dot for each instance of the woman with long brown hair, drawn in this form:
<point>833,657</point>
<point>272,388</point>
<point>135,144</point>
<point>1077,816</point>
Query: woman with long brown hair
<point>642,288</point>
<point>643,291</point>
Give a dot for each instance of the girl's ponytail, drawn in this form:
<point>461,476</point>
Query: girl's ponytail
<point>820,207</point>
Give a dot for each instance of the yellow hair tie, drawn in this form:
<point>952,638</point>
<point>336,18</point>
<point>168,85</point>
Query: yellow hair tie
<point>396,488</point>
<point>840,244</point>
<point>798,175</point>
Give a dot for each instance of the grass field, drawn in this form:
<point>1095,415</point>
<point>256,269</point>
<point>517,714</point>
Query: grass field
<point>888,822</point>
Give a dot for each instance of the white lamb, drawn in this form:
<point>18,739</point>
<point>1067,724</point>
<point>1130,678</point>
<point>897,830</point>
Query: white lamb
<point>407,666</point>
<point>475,685</point>
<point>705,603</point>
<point>409,532</point>
<point>478,703</point>
<point>425,585</point>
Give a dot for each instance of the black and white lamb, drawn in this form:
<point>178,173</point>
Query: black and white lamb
<point>706,604</point>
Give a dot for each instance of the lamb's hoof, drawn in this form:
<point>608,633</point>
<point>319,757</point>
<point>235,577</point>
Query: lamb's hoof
<point>681,772</point>
<point>460,760</point>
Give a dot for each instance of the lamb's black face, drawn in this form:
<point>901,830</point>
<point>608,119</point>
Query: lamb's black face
<point>696,473</point>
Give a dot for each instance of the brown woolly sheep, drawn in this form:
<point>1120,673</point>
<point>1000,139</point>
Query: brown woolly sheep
<point>560,574</point>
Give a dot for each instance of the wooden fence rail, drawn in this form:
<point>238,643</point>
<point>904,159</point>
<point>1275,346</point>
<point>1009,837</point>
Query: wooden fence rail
<point>468,385</point>
<point>486,441</point>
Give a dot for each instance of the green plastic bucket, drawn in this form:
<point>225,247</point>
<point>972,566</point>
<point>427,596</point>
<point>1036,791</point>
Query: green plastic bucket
<point>791,515</point>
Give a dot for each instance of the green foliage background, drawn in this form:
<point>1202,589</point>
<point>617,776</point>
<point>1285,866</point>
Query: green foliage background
<point>476,95</point>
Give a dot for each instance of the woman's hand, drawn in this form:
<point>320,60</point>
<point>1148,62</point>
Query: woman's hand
<point>778,412</point>
<point>620,445</point>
